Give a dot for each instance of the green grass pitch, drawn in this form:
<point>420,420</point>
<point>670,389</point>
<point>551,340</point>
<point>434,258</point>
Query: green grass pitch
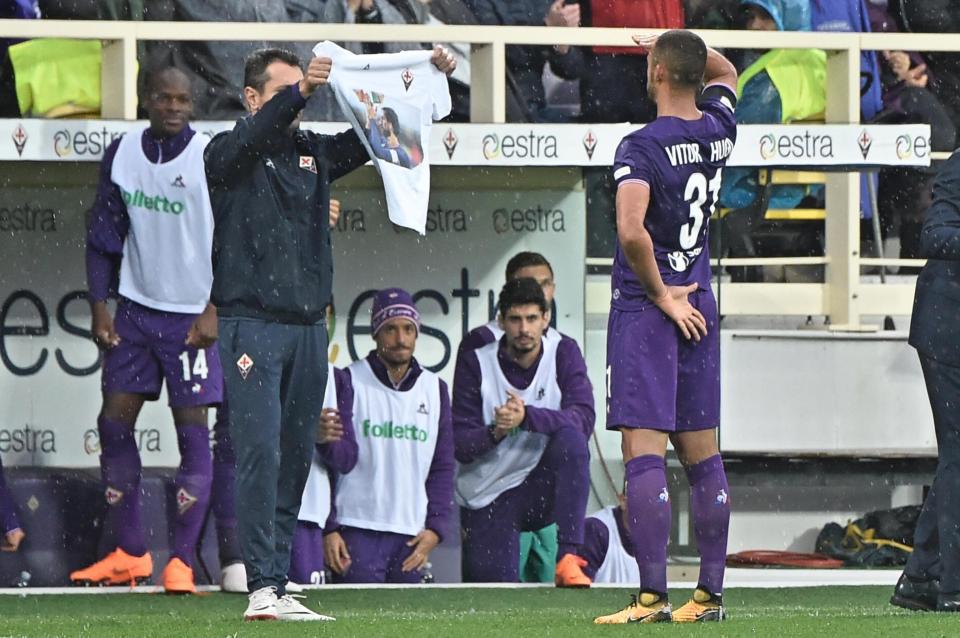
<point>467,613</point>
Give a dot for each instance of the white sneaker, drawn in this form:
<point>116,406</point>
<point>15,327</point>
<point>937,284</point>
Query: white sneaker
<point>293,588</point>
<point>263,605</point>
<point>233,578</point>
<point>289,608</point>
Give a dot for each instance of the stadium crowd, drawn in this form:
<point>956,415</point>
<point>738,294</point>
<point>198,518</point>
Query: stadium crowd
<point>385,452</point>
<point>567,84</point>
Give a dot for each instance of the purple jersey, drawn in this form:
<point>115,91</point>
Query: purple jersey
<point>680,161</point>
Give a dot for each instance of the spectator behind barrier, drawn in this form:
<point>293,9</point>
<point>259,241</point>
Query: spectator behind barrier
<point>16,10</point>
<point>904,192</point>
<point>781,86</point>
<point>613,79</point>
<point>526,100</point>
<point>56,77</point>
<point>216,68</point>
<point>851,16</point>
<point>924,16</point>
<point>410,12</point>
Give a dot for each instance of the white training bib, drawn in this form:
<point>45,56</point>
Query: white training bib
<point>315,504</point>
<point>167,261</point>
<point>507,465</point>
<point>392,100</point>
<point>618,566</point>
<point>396,436</point>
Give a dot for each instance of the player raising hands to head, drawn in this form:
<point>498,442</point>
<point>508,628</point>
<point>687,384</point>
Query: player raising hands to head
<point>663,364</point>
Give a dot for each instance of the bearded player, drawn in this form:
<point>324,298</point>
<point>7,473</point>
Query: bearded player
<point>663,347</point>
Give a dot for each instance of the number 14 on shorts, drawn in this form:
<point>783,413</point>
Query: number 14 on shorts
<point>199,367</point>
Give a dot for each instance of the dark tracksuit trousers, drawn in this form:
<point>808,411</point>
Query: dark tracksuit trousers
<point>936,540</point>
<point>274,411</point>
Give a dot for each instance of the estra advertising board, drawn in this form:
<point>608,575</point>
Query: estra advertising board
<point>50,369</point>
<point>817,145</point>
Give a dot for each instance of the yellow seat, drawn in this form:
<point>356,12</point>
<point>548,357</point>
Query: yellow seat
<point>784,176</point>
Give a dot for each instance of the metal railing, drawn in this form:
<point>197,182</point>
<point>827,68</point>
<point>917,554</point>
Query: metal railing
<point>842,296</point>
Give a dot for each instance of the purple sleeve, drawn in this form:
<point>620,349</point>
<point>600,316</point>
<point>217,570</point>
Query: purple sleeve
<point>596,540</point>
<point>475,339</point>
<point>107,228</point>
<point>342,455</point>
<point>332,525</point>
<point>440,479</point>
<point>472,435</point>
<point>630,164</point>
<point>576,406</point>
<point>720,101</point>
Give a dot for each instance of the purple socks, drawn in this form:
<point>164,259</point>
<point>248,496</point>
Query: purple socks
<point>710,506</point>
<point>648,506</point>
<point>193,489</point>
<point>121,471</point>
<point>8,511</point>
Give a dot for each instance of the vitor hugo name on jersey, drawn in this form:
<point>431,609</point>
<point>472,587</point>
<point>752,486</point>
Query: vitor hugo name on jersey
<point>690,153</point>
<point>390,431</point>
<point>680,162</point>
<point>158,203</point>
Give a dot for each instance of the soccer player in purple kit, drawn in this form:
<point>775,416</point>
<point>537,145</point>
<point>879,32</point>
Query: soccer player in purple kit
<point>152,199</point>
<point>522,413</point>
<point>11,534</point>
<point>393,508</point>
<point>335,454</point>
<point>663,347</point>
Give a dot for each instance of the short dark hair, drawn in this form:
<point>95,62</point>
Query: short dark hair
<point>521,292</point>
<point>255,68</point>
<point>526,259</point>
<point>684,55</point>
<point>154,72</point>
<point>391,116</point>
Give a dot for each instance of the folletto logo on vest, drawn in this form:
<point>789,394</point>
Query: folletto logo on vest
<point>390,431</point>
<point>159,203</point>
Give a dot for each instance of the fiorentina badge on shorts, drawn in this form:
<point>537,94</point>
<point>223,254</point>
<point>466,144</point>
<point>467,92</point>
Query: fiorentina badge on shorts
<point>244,364</point>
<point>185,500</point>
<point>308,163</point>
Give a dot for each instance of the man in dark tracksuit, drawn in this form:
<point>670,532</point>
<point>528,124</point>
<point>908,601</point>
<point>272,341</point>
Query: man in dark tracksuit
<point>272,276</point>
<point>931,579</point>
<point>273,270</point>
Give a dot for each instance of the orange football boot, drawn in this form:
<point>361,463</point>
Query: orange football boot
<point>178,578</point>
<point>117,568</point>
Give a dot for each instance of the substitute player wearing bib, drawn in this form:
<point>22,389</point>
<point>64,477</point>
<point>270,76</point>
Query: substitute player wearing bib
<point>11,535</point>
<point>607,547</point>
<point>523,410</point>
<point>538,549</point>
<point>663,346</point>
<point>335,454</point>
<point>393,508</point>
<point>149,239</point>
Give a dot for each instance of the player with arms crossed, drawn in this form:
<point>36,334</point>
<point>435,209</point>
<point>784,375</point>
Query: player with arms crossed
<point>663,363</point>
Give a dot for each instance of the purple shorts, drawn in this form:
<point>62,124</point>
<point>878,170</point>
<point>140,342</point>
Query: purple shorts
<point>657,379</point>
<point>152,350</point>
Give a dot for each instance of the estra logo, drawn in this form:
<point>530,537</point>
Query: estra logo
<point>525,146</point>
<point>67,143</point>
<point>802,145</point>
<point>908,146</point>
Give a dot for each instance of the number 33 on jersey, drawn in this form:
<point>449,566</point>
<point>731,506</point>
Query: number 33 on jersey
<point>681,163</point>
